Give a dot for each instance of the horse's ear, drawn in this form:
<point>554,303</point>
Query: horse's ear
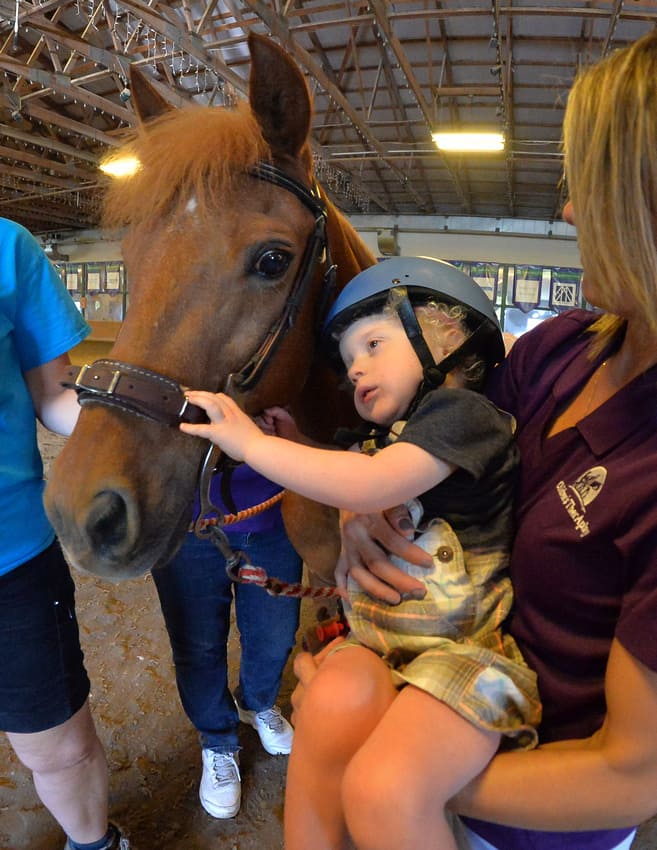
<point>145,98</point>
<point>279,96</point>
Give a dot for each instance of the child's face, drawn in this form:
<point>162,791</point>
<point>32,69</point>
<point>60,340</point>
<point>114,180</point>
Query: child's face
<point>382,366</point>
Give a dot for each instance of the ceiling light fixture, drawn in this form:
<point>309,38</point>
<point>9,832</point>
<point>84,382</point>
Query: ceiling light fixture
<point>121,166</point>
<point>468,142</point>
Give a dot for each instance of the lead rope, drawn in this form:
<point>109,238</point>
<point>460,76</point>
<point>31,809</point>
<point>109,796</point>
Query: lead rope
<point>238,566</point>
<point>231,519</point>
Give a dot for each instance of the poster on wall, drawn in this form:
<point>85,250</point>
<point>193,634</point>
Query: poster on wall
<point>105,306</point>
<point>486,275</point>
<point>114,276</point>
<point>95,277</point>
<point>565,287</point>
<point>74,277</point>
<point>527,287</point>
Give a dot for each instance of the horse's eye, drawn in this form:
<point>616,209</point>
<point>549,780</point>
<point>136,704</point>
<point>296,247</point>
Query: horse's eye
<point>273,263</point>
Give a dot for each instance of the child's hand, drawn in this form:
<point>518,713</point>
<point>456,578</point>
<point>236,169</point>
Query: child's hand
<point>229,427</point>
<point>279,422</point>
<point>305,669</point>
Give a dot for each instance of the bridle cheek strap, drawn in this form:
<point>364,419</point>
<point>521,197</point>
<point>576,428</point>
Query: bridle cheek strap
<point>249,375</point>
<point>316,250</point>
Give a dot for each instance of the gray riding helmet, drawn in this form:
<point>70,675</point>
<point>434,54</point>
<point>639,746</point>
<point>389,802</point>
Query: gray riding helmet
<point>424,279</point>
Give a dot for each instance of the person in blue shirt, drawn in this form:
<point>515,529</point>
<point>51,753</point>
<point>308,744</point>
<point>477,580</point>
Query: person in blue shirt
<point>44,687</point>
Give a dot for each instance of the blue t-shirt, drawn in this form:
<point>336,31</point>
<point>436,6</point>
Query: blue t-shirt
<point>38,322</point>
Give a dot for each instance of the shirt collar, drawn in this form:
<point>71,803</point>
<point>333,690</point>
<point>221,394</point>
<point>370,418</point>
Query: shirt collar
<point>631,409</point>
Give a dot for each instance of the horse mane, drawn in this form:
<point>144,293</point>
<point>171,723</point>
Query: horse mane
<point>195,152</point>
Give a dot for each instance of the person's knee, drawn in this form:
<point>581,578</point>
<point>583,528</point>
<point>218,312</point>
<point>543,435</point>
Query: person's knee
<point>62,748</point>
<point>379,794</point>
<point>324,704</point>
<point>341,688</point>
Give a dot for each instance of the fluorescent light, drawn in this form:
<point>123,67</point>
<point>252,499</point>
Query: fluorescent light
<point>469,141</point>
<point>121,166</point>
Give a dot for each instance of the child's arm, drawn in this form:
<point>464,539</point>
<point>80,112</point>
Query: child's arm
<point>347,480</point>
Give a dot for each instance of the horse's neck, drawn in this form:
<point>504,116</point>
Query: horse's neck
<point>348,251</point>
<point>323,407</point>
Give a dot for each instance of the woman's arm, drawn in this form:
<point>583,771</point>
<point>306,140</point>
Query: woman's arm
<point>56,408</point>
<point>603,782</point>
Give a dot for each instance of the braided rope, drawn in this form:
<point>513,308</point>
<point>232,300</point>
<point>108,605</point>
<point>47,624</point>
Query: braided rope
<point>239,568</point>
<point>249,574</point>
<point>231,519</point>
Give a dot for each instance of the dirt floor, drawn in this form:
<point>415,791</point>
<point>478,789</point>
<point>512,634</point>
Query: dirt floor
<point>152,750</point>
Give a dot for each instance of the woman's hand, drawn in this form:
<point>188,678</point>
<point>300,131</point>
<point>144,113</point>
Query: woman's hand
<point>366,541</point>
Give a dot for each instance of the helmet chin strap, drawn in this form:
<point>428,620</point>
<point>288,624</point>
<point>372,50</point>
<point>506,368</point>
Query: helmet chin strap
<point>433,373</point>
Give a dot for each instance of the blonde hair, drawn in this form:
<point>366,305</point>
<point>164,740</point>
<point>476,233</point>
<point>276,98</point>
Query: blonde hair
<point>610,147</point>
<point>439,322</point>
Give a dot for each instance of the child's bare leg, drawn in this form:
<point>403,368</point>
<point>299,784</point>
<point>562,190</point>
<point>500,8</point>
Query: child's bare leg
<point>343,703</point>
<point>397,785</point>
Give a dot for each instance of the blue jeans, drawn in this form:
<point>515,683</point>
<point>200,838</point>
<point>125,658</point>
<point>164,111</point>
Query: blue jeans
<point>196,596</point>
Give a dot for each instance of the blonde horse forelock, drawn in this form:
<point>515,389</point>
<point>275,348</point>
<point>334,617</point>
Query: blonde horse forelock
<point>188,153</point>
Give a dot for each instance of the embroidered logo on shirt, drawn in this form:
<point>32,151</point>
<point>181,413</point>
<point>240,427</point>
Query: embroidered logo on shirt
<point>577,496</point>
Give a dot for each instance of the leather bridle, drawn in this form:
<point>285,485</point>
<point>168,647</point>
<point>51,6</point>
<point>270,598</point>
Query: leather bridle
<point>159,398</point>
<point>156,397</point>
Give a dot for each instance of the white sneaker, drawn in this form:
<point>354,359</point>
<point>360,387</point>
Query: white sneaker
<point>275,732</point>
<point>221,784</point>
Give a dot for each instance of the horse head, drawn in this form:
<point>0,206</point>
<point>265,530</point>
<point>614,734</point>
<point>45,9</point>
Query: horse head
<point>224,236</point>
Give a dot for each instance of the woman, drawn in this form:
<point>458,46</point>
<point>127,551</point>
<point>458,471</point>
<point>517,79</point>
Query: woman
<point>584,565</point>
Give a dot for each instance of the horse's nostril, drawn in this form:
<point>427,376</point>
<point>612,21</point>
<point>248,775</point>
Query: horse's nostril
<point>107,523</point>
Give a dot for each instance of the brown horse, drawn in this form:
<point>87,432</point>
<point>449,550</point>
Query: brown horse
<point>224,237</point>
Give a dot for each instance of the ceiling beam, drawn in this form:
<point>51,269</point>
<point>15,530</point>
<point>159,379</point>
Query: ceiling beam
<point>279,28</point>
<point>31,159</point>
<point>190,42</point>
<point>31,175</point>
<point>56,119</point>
<point>117,63</point>
<point>63,85</point>
<point>380,10</point>
<point>48,144</point>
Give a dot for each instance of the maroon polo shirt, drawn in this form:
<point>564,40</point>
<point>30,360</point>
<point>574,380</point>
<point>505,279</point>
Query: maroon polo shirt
<point>584,560</point>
